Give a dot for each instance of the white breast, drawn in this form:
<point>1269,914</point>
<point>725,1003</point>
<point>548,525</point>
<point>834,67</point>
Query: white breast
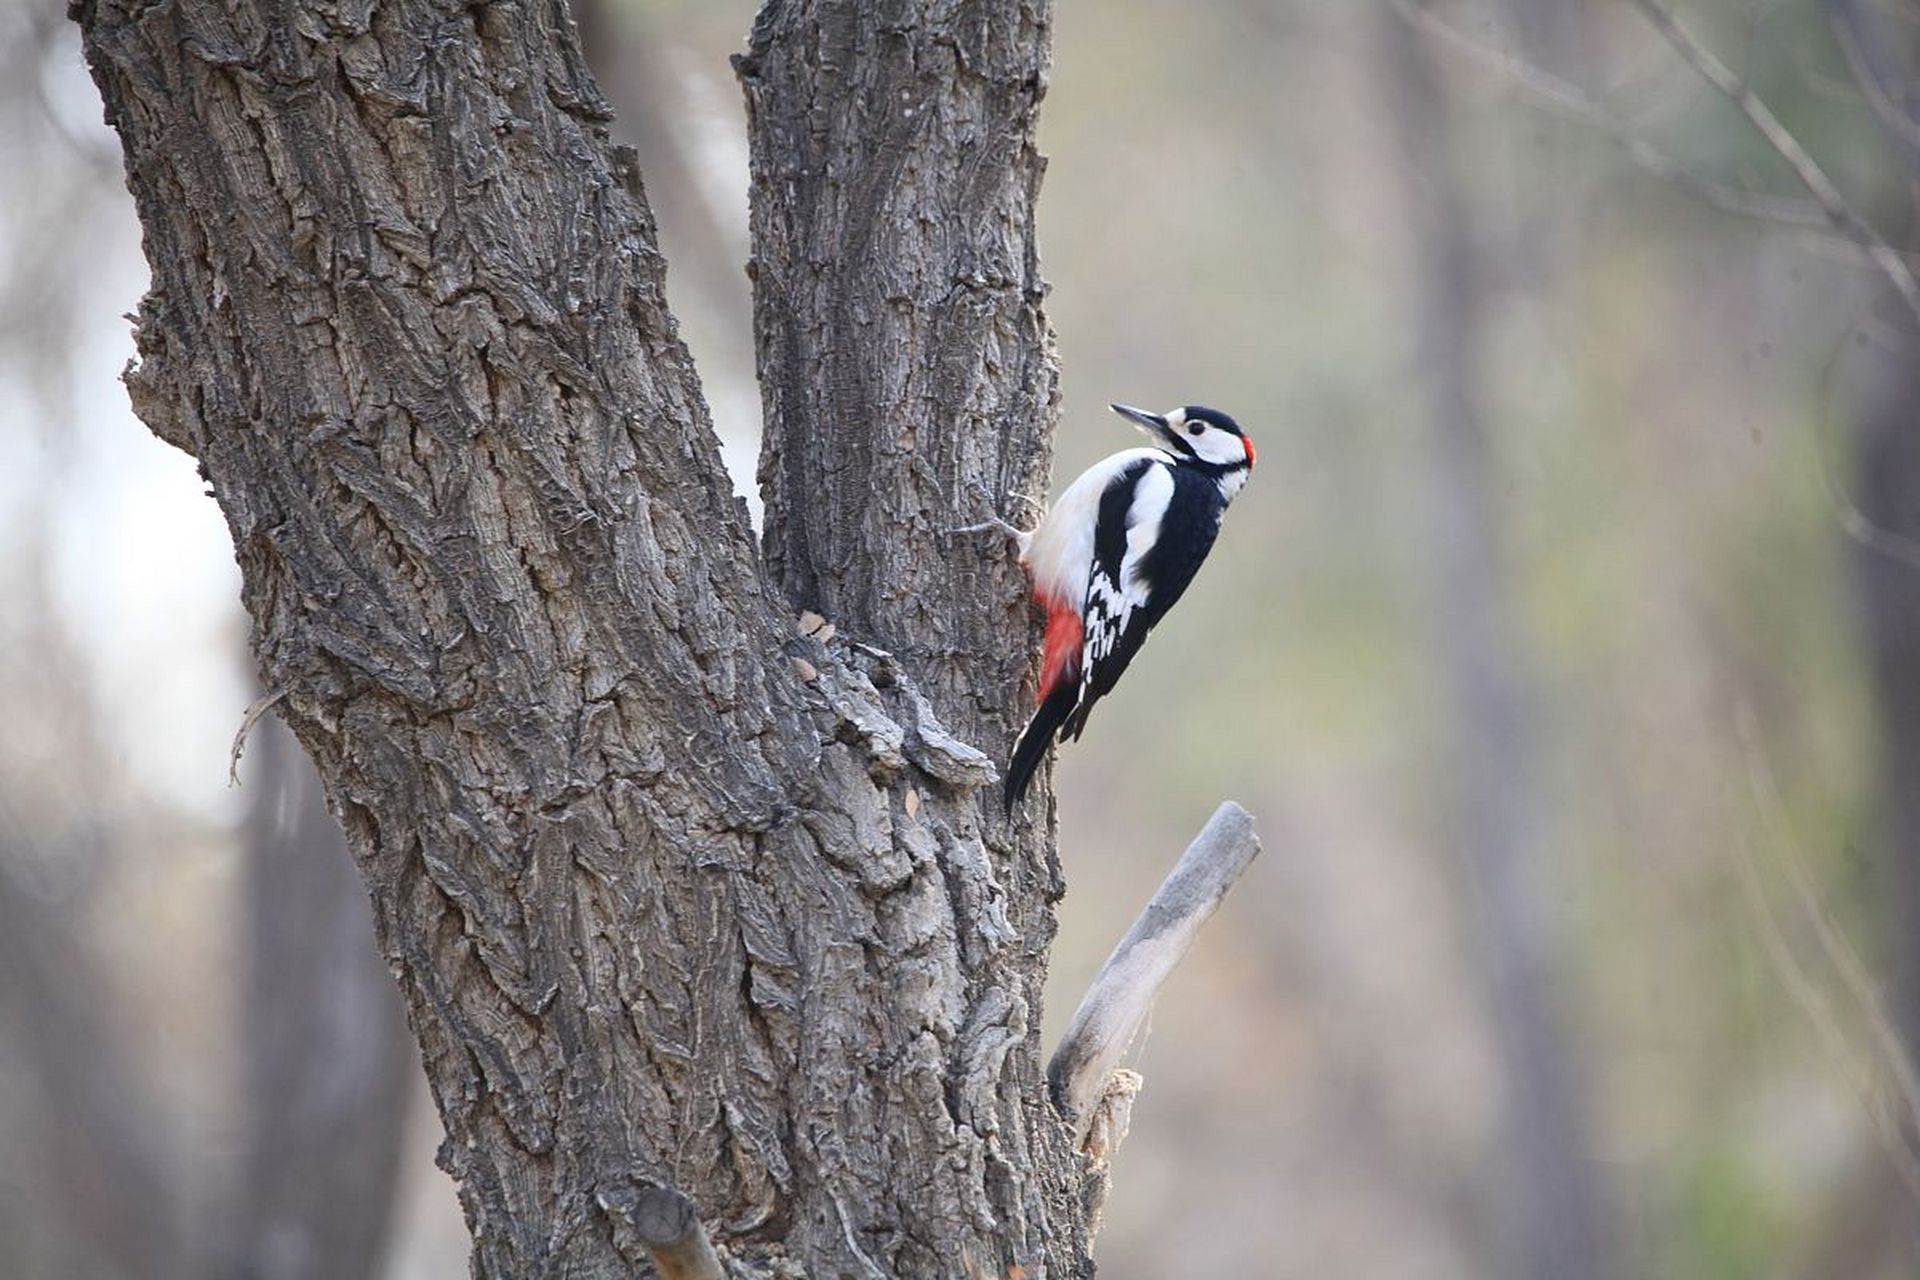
<point>1060,554</point>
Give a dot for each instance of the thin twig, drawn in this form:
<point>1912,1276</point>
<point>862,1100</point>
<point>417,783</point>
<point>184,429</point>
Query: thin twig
<point>1840,953</point>
<point>248,718</point>
<point>1787,147</point>
<point>1116,1005</point>
<point>1886,1057</point>
<point>1827,212</point>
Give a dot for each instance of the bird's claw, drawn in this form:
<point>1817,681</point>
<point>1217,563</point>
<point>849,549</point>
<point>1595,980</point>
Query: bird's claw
<point>1019,535</point>
<point>991,522</point>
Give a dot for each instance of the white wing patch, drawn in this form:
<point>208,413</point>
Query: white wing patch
<point>1061,551</point>
<point>1111,601</point>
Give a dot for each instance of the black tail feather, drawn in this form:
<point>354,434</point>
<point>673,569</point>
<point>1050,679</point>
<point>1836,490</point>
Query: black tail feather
<point>1036,737</point>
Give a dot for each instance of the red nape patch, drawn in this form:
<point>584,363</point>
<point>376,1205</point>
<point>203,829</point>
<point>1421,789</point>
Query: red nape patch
<point>1248,441</point>
<point>1060,661</point>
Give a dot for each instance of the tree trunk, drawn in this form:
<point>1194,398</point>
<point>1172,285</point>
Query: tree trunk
<point>94,1181</point>
<point>1882,371</point>
<point>906,367</point>
<point>1549,1209</point>
<point>674,894</point>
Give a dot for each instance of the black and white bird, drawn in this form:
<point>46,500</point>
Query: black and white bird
<point>1114,554</point>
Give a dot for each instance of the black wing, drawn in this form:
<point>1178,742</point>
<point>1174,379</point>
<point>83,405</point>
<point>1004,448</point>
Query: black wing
<point>1035,738</point>
<point>1132,586</point>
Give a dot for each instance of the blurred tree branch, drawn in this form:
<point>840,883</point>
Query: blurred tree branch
<point>1787,147</point>
<point>106,1194</point>
<point>329,1065</point>
<point>1884,380</point>
<point>1882,375</point>
<point>1550,1212</point>
<point>1548,90</point>
<point>1827,208</point>
<point>1866,46</point>
<point>1865,1217</point>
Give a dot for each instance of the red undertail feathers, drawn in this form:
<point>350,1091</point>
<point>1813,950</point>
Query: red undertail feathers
<point>1060,661</point>
<point>1059,690</point>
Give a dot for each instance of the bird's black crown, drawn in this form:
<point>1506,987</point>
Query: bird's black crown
<point>1212,417</point>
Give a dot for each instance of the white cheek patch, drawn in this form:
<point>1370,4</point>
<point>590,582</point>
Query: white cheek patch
<point>1222,448</point>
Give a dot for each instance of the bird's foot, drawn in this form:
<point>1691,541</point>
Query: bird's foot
<point>1019,535</point>
<point>993,522</point>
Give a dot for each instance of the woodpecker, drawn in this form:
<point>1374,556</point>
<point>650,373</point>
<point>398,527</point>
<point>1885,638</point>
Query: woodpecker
<point>1114,554</point>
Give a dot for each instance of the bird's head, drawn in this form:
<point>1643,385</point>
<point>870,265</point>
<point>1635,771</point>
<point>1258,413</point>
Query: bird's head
<point>1195,433</point>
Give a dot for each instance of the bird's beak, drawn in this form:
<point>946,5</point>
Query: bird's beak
<point>1155,425</point>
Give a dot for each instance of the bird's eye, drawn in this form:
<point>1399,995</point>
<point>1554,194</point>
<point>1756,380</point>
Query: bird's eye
<point>1195,428</point>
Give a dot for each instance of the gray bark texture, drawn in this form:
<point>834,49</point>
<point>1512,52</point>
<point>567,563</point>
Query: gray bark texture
<point>674,894</point>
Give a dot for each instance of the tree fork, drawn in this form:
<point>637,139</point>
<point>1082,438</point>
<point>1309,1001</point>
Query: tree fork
<point>675,895</point>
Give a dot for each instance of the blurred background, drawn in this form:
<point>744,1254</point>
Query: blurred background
<point>1566,646</point>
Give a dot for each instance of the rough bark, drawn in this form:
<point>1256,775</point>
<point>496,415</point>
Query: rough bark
<point>906,366</point>
<point>674,895</point>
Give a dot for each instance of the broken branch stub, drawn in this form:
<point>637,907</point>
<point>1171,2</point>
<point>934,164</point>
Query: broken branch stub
<point>1116,1004</point>
<point>664,1223</point>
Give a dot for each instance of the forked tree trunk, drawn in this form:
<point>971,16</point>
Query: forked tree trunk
<point>674,895</point>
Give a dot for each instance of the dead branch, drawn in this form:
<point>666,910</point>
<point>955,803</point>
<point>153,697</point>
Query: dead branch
<point>664,1223</point>
<point>1117,1002</point>
<point>248,718</point>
